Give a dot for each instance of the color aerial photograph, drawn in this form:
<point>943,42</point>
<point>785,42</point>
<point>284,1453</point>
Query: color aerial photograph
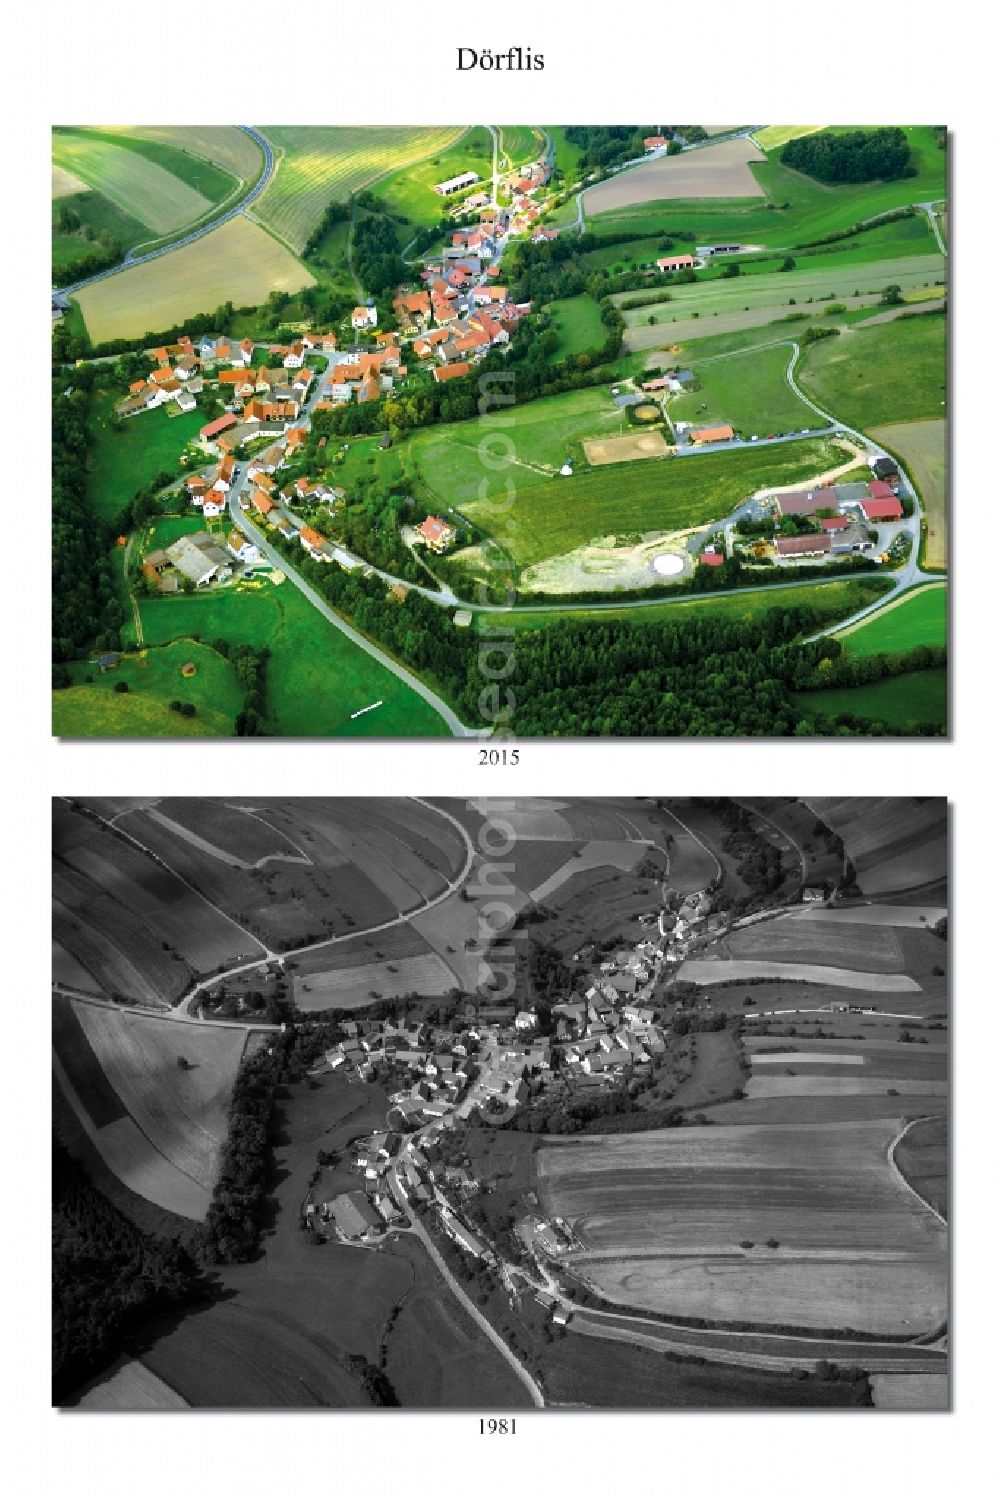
<point>600,1103</point>
<point>543,430</point>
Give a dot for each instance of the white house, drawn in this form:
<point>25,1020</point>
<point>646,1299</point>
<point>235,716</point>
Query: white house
<point>214,504</point>
<point>364,317</point>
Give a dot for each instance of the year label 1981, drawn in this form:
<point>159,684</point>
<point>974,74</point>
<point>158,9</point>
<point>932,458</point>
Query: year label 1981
<point>497,1426</point>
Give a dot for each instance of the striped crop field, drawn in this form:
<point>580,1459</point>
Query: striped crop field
<point>239,262</point>
<point>142,188</point>
<point>226,145</point>
<point>322,164</point>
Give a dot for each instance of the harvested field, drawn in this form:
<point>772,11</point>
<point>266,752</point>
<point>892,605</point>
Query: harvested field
<point>801,1058</point>
<point>238,262</point>
<point>138,185</point>
<point>692,864</point>
<point>721,971</point>
<point>894,843</point>
<point>177,1115</point>
<point>662,1217</point>
<point>847,1108</point>
<point>128,1386</point>
<point>922,1157</point>
<point>923,447</point>
<point>720,171</point>
<point>910,1392</point>
<point>841,944</point>
<point>354,988</point>
<point>64,183</point>
<point>625,449</point>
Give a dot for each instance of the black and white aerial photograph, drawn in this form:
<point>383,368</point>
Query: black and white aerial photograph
<point>566,1104</point>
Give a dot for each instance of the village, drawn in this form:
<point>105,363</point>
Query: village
<point>483,1071</point>
<point>458,314</point>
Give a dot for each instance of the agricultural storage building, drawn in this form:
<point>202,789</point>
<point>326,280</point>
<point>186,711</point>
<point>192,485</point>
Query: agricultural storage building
<point>676,263</point>
<point>456,184</point>
<point>212,430</point>
<point>881,509</point>
<point>354,1215</point>
<point>712,434</point>
<point>803,546</point>
<point>806,501</point>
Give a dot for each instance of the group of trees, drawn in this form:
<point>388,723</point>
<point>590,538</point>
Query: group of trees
<point>604,146</point>
<point>232,1228</point>
<point>107,1276</point>
<point>99,248</point>
<point>881,155</point>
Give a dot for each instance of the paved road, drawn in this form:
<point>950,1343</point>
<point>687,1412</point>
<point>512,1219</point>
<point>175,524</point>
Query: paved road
<point>131,258</point>
<point>242,519</point>
<point>417,1228</point>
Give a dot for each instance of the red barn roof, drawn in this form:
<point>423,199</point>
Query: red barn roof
<point>889,509</point>
<point>712,559</point>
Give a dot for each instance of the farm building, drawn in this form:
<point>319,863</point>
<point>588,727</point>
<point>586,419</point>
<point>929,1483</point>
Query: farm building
<point>210,432</point>
<point>806,501</point>
<point>197,558</point>
<point>711,559</point>
<point>354,1215</point>
<point>456,184</point>
<point>885,468</point>
<point>880,509</point>
<point>712,434</point>
<point>803,546</point>
<point>676,263</point>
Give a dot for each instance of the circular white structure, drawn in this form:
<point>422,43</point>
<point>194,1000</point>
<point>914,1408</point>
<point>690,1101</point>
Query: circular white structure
<point>669,564</point>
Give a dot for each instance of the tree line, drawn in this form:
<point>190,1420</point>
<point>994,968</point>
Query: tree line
<point>881,155</point>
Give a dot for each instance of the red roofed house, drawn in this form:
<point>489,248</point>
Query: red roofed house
<point>654,142</point>
<point>437,533</point>
<point>262,502</point>
<point>711,559</point>
<point>451,371</point>
<point>882,509</point>
<point>209,433</point>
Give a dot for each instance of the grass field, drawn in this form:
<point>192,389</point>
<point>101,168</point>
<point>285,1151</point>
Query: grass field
<point>920,618</point>
<point>577,320</point>
<point>835,600</point>
<point>923,448</point>
<point>127,457</point>
<point>409,191</point>
<point>796,208</point>
<point>139,184</point>
<point>663,1217</point>
<point>552,518</point>
<point>748,390</point>
<point>321,164</point>
<point>128,1386</point>
<point>918,697</point>
<point>226,145</point>
<point>94,710</point>
<point>316,677</point>
<point>889,372</point>
<point>725,970</point>
<point>238,262</point>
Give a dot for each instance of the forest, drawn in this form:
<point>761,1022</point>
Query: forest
<point>881,155</point>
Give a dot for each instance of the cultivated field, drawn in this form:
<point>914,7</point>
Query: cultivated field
<point>323,164</point>
<point>238,262</point>
<point>663,1215</point>
<point>226,145</point>
<point>142,188</point>
<point>137,928</point>
<point>181,1112</point>
<point>128,1386</point>
<point>895,844</point>
<point>845,945</point>
<point>722,971</point>
<point>625,449</point>
<point>910,1392</point>
<point>623,856</point>
<point>720,171</point>
<point>910,916</point>
<point>923,447</point>
<point>773,136</point>
<point>220,830</point>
